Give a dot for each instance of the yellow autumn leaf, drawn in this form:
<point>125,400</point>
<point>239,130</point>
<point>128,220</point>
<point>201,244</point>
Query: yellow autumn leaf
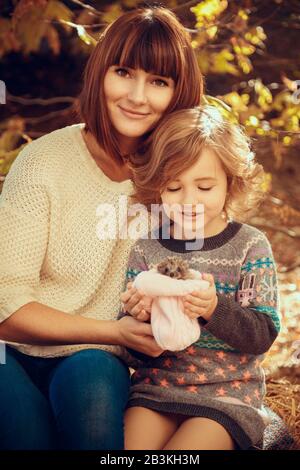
<point>32,22</point>
<point>264,96</point>
<point>7,158</point>
<point>201,39</point>
<point>281,99</point>
<point>236,101</point>
<point>58,10</point>
<point>112,13</point>
<point>245,98</point>
<point>266,182</point>
<point>256,36</point>
<point>240,46</point>
<point>292,85</point>
<point>287,140</point>
<point>8,140</point>
<point>244,63</point>
<point>208,10</point>
<point>221,63</point>
<point>247,49</point>
<point>30,28</point>
<point>204,61</point>
<point>252,121</point>
<point>242,14</point>
<point>292,110</point>
<point>226,111</point>
<point>212,32</point>
<point>292,124</point>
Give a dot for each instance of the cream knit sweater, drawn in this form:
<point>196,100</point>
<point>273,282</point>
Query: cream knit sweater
<point>49,248</point>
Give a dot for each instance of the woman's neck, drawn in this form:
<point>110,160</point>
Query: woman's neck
<point>114,170</point>
<point>127,145</point>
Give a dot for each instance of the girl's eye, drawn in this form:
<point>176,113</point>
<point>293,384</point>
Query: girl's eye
<point>121,72</point>
<point>160,83</point>
<point>205,189</point>
<point>173,190</point>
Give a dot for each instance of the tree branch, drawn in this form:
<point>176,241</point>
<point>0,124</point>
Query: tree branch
<point>191,3</point>
<point>40,101</point>
<point>46,117</point>
<point>87,7</point>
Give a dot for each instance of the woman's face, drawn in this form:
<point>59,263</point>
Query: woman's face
<point>135,99</point>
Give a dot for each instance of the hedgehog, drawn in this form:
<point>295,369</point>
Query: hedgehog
<point>175,267</point>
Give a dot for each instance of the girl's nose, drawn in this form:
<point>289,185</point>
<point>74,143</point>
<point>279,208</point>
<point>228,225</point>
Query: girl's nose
<point>190,201</point>
<point>190,198</point>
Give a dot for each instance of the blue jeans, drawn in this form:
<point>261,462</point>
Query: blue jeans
<point>74,402</point>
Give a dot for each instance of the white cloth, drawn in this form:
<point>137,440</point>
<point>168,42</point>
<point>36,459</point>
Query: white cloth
<point>172,329</point>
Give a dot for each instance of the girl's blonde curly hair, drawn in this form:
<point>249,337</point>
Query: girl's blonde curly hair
<point>176,146</point>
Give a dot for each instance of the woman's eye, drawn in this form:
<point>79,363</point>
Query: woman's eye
<point>160,83</point>
<point>173,189</point>
<point>121,72</point>
<point>205,189</point>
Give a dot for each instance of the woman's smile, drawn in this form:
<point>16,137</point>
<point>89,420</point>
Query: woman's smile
<point>133,114</point>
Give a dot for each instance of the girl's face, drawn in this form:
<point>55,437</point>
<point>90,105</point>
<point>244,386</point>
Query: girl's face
<point>135,99</point>
<point>204,183</point>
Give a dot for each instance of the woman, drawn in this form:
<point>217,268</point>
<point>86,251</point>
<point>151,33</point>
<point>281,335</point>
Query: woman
<point>60,283</point>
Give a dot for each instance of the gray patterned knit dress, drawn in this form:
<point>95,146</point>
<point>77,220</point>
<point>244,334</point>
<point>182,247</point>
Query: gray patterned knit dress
<point>220,376</point>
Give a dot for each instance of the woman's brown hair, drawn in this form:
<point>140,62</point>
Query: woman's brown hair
<point>177,145</point>
<point>149,38</point>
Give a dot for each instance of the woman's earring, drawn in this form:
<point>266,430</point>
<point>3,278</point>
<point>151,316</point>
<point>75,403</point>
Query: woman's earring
<point>223,215</point>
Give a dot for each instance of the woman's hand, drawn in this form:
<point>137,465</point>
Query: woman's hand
<point>138,336</point>
<point>202,303</point>
<point>133,303</point>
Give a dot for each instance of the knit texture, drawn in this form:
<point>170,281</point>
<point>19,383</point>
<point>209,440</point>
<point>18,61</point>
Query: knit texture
<point>171,328</point>
<point>219,376</point>
<point>49,248</point>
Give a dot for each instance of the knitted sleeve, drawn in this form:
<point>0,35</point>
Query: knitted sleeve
<point>250,321</point>
<point>24,214</point>
<point>136,264</point>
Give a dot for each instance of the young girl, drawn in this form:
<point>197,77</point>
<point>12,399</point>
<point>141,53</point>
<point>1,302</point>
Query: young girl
<point>210,395</point>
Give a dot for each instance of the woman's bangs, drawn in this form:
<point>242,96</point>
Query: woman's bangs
<point>150,50</point>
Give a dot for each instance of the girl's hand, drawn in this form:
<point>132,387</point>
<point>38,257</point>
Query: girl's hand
<point>202,303</point>
<point>138,336</point>
<point>133,303</point>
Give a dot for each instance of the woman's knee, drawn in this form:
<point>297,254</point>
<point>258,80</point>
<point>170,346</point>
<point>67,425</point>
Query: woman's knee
<point>92,371</point>
<point>88,392</point>
<point>26,420</point>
